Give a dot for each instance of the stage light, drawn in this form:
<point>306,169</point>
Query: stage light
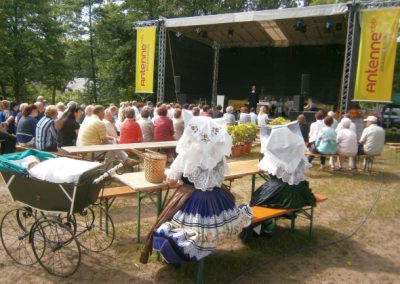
<point>338,26</point>
<point>230,33</point>
<point>328,25</point>
<point>300,26</point>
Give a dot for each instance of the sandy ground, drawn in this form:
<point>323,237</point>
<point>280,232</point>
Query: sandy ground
<point>371,256</point>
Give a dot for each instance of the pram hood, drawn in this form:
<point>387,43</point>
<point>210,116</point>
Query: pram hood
<point>6,164</point>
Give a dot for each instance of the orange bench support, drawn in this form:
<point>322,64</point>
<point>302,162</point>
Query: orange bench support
<point>261,214</point>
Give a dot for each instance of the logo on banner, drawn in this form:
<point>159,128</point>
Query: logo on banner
<point>145,50</point>
<point>378,42</point>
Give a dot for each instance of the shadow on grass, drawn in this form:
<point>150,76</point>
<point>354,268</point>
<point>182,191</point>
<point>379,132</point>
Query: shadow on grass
<point>282,255</point>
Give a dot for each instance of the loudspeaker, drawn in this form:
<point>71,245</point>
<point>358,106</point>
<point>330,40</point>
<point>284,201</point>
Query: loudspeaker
<point>305,85</point>
<point>177,81</point>
<point>298,103</point>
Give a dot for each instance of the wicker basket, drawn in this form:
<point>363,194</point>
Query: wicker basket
<point>154,167</point>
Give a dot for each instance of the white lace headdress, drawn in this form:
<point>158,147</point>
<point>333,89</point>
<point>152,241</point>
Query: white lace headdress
<point>201,152</point>
<point>283,148</point>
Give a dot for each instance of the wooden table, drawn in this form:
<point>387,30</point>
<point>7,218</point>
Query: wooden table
<point>241,169</point>
<point>118,147</point>
<point>138,183</point>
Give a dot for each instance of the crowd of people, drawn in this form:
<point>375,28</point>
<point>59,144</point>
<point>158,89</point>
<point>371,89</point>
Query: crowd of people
<point>330,137</point>
<point>51,127</point>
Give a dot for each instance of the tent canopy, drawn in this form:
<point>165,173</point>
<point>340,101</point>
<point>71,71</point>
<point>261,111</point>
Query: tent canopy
<point>312,25</point>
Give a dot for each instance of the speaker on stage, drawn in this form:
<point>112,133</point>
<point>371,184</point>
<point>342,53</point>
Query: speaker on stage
<point>305,85</point>
<point>298,104</point>
<point>177,81</point>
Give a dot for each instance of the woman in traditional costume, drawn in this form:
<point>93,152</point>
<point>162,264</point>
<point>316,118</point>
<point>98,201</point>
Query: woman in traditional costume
<point>202,212</point>
<point>283,149</point>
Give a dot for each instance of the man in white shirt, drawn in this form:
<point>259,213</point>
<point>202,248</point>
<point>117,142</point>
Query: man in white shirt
<point>316,126</point>
<point>373,137</point>
<point>253,115</point>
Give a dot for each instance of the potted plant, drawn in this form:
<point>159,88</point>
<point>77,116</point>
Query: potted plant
<point>249,134</point>
<point>236,140</point>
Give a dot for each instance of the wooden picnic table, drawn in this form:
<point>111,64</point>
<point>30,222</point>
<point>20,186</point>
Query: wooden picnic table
<point>144,189</point>
<point>118,147</point>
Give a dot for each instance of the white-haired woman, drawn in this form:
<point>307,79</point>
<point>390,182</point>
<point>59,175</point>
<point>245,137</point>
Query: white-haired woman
<point>262,117</point>
<point>346,141</point>
<point>229,116</point>
<point>202,212</point>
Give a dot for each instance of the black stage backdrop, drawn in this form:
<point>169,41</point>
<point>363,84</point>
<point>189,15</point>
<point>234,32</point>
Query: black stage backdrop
<point>275,71</point>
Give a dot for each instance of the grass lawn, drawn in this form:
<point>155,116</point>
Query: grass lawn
<point>370,256</point>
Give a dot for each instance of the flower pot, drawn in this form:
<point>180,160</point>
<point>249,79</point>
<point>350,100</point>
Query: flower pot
<point>242,150</point>
<point>247,147</point>
<point>236,151</point>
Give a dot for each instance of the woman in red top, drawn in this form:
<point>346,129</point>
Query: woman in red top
<point>130,131</point>
<point>163,126</point>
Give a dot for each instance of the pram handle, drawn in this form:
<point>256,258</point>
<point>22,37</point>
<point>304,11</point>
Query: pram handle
<point>110,173</point>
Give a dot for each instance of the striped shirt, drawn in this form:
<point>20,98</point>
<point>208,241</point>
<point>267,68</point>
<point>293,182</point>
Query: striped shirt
<point>46,135</point>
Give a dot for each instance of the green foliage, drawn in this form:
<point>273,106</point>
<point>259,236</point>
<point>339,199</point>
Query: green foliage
<point>243,133</point>
<point>47,43</point>
<point>279,121</point>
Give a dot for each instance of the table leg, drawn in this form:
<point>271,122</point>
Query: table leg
<point>253,184</point>
<point>311,222</point>
<point>138,216</point>
<point>200,272</point>
<point>159,202</point>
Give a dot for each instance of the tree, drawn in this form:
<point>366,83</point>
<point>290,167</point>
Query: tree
<point>31,43</point>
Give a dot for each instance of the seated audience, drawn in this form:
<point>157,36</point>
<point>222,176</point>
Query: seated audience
<point>335,122</point>
<point>94,132</point>
<point>325,142</point>
<point>146,125</point>
<point>229,116</point>
<point>346,143</point>
<point>373,137</point>
<point>26,128</point>
<point>244,115</point>
<point>8,141</point>
<point>253,115</point>
<point>46,134</point>
<point>130,130</point>
<point>67,126</point>
<point>178,124</point>
<point>207,111</point>
<point>218,112</point>
<point>305,130</point>
<point>163,126</point>
<point>110,125</point>
<point>40,109</point>
<point>196,111</point>
<point>262,117</point>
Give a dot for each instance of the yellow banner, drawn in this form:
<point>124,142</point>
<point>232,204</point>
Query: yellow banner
<point>377,55</point>
<point>237,104</point>
<point>145,50</point>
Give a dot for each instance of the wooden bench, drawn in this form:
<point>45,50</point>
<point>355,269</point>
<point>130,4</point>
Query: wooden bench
<point>369,159</point>
<point>261,214</point>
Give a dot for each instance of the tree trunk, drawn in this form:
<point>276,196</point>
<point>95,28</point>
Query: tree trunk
<point>53,96</point>
<point>93,60</point>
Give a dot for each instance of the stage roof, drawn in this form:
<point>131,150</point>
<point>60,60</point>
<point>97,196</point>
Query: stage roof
<point>277,28</point>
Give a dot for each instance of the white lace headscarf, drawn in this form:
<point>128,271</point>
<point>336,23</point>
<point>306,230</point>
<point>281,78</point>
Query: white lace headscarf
<point>283,148</point>
<point>201,152</point>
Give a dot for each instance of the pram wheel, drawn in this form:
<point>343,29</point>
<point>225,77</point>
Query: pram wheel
<point>94,228</point>
<point>15,229</point>
<point>55,247</point>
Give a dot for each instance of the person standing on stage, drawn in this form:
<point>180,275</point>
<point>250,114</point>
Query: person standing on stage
<point>253,98</point>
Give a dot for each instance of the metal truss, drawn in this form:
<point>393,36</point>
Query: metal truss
<point>162,44</point>
<point>216,47</point>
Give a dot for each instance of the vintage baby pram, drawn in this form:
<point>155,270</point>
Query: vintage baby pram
<point>56,219</point>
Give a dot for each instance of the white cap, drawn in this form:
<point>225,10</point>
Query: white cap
<point>331,113</point>
<point>371,118</point>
